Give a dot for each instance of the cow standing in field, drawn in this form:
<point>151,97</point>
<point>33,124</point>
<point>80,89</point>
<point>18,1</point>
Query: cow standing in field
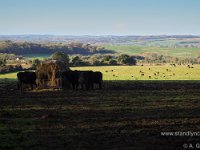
<point>86,79</point>
<point>26,78</point>
<point>76,78</point>
<point>71,78</point>
<point>97,78</point>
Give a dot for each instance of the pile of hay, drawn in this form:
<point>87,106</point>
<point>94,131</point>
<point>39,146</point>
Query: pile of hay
<point>49,74</point>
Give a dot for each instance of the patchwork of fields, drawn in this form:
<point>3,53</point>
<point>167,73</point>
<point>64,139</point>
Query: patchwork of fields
<point>128,49</point>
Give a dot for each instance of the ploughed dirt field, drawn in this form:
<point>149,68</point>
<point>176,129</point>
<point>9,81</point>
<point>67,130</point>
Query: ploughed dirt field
<point>123,115</point>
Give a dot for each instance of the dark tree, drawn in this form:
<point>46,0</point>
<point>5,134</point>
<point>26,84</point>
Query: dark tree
<point>112,62</point>
<point>126,60</point>
<point>107,58</point>
<point>77,61</point>
<point>2,62</point>
<point>60,56</point>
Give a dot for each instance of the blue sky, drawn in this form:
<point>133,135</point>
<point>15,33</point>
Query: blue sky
<point>100,17</point>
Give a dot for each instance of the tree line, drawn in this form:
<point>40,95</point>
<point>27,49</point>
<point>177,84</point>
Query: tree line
<point>68,60</point>
<point>158,58</point>
<point>95,60</point>
<point>4,67</point>
<point>21,48</point>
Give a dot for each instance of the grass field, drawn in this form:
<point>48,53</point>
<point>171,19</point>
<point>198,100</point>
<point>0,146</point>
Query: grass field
<point>166,72</point>
<point>9,75</point>
<point>124,115</point>
<point>192,52</point>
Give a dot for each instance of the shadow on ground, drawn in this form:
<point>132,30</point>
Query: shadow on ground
<point>123,115</point>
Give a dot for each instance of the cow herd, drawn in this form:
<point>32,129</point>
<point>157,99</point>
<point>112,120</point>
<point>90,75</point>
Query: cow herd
<point>75,80</point>
<point>84,79</point>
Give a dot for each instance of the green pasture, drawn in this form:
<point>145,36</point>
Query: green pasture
<point>9,75</point>
<point>183,52</point>
<point>165,72</point>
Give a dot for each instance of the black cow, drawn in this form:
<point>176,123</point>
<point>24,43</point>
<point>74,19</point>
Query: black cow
<point>85,79</point>
<point>70,78</point>
<point>26,78</point>
<point>97,78</point>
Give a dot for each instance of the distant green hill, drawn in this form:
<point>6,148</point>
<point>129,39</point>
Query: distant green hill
<point>172,45</point>
<point>186,52</point>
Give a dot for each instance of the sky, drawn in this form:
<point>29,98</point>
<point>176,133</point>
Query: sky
<point>100,17</point>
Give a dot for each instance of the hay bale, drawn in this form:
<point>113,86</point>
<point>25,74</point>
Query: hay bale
<point>49,74</point>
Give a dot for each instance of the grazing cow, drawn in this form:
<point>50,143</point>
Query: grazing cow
<point>26,78</point>
<point>97,78</point>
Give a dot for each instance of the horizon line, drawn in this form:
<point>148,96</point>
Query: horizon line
<point>99,35</point>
